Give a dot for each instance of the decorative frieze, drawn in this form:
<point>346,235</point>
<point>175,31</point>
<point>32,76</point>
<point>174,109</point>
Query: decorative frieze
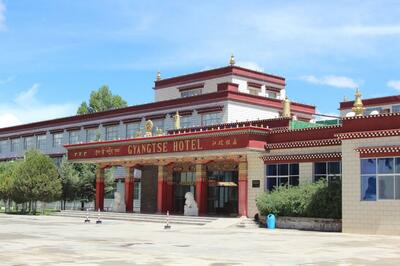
<point>332,156</point>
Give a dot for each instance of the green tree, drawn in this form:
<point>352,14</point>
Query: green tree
<point>37,179</point>
<point>86,190</point>
<point>101,100</point>
<point>69,180</point>
<point>7,176</point>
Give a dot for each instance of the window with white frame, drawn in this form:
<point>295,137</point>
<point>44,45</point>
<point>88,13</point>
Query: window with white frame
<point>272,94</point>
<point>91,134</point>
<point>380,179</point>
<point>29,143</point>
<point>15,143</point>
<point>208,119</point>
<point>57,139</point>
<point>396,108</point>
<point>3,146</point>
<point>190,93</point>
<point>328,170</point>
<point>41,142</point>
<point>186,121</point>
<point>112,132</point>
<point>132,129</point>
<point>281,175</point>
<point>74,136</point>
<point>369,110</point>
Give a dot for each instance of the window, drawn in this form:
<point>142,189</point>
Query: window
<point>281,175</point>
<point>157,123</point>
<point>15,144</point>
<point>57,139</point>
<point>190,93</point>
<point>111,132</point>
<point>254,91</point>
<point>91,134</point>
<point>368,111</point>
<point>328,170</point>
<point>380,179</point>
<point>132,129</point>
<point>272,95</point>
<point>29,143</point>
<point>396,108</point>
<point>3,146</point>
<point>211,119</point>
<point>41,142</point>
<point>186,121</point>
<point>74,137</point>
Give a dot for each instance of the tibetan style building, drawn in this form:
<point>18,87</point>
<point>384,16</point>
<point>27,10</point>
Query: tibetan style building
<point>227,135</point>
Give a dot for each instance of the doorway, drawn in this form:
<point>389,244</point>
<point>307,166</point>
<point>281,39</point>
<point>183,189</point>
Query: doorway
<point>222,193</point>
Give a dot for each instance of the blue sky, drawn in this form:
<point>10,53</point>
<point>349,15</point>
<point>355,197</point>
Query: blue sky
<point>54,52</point>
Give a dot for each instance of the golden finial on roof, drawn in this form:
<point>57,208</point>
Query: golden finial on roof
<point>286,108</point>
<point>358,106</point>
<point>158,78</point>
<point>177,119</point>
<point>232,60</point>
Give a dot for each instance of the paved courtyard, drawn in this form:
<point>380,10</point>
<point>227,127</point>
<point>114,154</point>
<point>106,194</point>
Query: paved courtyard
<point>44,240</point>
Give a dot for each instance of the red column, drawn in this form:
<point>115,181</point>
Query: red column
<point>129,187</point>
<point>99,189</point>
<point>201,189</point>
<point>243,188</point>
<point>161,190</point>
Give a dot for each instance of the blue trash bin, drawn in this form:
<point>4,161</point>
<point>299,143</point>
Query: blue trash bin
<point>271,221</point>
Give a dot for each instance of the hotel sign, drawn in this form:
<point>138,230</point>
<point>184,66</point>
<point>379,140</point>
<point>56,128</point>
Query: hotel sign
<point>157,147</point>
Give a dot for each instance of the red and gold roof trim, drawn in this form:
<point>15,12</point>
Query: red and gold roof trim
<point>378,151</point>
<point>313,157</point>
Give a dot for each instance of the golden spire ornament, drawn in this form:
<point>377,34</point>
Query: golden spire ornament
<point>158,78</point>
<point>177,119</point>
<point>286,108</point>
<point>232,61</point>
<point>358,106</point>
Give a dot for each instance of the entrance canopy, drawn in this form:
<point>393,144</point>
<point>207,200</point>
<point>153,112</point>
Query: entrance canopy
<point>209,163</point>
<point>252,137</point>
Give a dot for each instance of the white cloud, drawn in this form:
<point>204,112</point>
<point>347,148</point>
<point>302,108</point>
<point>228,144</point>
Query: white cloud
<point>395,84</point>
<point>250,65</point>
<point>333,81</point>
<point>26,108</point>
<point>2,16</point>
<point>7,80</point>
<point>27,97</point>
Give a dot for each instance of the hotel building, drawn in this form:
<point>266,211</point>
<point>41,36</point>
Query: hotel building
<point>227,135</point>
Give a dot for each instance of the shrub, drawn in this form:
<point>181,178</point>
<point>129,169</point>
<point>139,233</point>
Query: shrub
<point>321,199</point>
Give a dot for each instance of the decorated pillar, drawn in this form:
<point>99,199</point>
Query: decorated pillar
<point>201,188</point>
<point>243,188</point>
<point>129,188</point>
<point>161,190</point>
<point>100,188</point>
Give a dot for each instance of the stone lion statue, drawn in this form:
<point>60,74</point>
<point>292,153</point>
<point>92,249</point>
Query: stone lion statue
<point>190,208</point>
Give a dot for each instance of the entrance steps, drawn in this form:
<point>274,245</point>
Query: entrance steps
<point>139,217</point>
<point>245,222</point>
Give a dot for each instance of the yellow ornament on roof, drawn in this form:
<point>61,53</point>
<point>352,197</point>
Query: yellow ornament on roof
<point>158,77</point>
<point>358,106</point>
<point>177,119</point>
<point>286,108</point>
<point>232,60</point>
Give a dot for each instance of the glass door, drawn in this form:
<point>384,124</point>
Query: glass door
<point>223,193</point>
<point>183,182</point>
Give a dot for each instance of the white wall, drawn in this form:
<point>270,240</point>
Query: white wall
<point>242,112</point>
